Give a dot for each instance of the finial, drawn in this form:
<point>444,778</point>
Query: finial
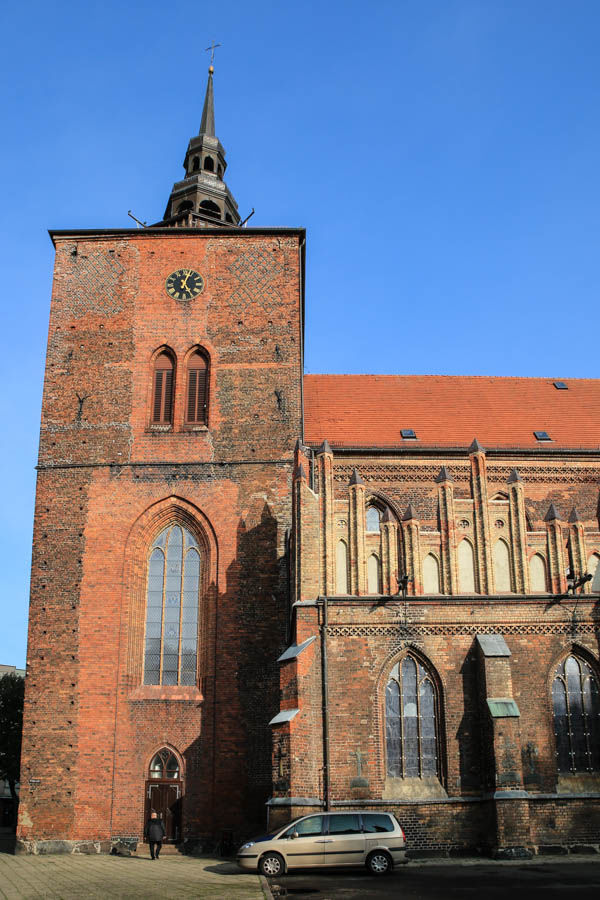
<point>476,447</point>
<point>444,475</point>
<point>211,70</point>
<point>324,448</point>
<point>574,517</point>
<point>513,477</point>
<point>211,50</point>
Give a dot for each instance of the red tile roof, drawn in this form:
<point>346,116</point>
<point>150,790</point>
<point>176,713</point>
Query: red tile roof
<point>449,411</point>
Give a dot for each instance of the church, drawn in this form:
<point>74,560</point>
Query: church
<point>257,594</point>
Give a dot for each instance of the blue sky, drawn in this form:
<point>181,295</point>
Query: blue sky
<point>442,154</point>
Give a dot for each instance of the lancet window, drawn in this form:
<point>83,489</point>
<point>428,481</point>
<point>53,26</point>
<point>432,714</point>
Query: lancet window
<point>172,599</point>
<point>576,702</point>
<point>411,721</point>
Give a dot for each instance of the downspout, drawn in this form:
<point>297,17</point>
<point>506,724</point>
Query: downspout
<point>325,701</point>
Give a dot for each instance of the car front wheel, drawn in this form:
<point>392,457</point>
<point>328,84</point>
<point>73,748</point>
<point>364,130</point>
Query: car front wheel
<point>379,863</point>
<point>271,864</point>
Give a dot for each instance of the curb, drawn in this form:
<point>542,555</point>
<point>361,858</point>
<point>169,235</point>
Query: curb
<point>265,886</point>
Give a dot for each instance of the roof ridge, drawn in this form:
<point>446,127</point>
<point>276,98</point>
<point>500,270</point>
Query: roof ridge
<point>550,378</point>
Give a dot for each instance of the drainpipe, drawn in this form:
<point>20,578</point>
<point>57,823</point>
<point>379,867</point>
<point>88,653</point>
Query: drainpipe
<point>325,686</point>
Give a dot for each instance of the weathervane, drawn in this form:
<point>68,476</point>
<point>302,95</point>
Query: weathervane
<point>212,49</point>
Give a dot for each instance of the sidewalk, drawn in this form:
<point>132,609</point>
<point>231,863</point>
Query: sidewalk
<point>71,877</point>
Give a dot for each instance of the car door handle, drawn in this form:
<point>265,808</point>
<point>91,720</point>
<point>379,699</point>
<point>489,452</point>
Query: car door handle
<point>327,841</point>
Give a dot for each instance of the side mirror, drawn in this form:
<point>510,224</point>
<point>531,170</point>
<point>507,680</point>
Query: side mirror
<point>294,834</point>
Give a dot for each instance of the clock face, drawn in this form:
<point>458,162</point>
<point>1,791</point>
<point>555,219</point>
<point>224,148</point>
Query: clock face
<point>184,284</point>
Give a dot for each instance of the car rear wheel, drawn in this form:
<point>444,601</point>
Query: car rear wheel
<point>379,863</point>
<point>271,864</point>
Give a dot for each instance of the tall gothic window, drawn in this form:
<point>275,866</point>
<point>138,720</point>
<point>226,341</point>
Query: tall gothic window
<point>576,701</point>
<point>373,519</point>
<point>162,396</point>
<point>172,608</point>
<point>197,389</point>
<point>410,721</point>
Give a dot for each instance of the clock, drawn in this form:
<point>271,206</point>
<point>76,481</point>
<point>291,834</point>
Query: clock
<point>184,284</point>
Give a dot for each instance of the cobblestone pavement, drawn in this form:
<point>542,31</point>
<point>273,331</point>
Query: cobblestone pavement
<point>70,877</point>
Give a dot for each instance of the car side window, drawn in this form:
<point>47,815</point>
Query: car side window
<point>310,827</point>
<point>373,823</point>
<point>344,825</point>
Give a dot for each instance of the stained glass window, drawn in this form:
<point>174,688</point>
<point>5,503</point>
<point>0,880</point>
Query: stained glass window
<point>172,608</point>
<point>576,702</point>
<point>410,720</point>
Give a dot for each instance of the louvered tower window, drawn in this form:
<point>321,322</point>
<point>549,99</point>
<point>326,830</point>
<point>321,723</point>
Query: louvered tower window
<point>576,702</point>
<point>411,721</point>
<point>197,390</point>
<point>172,599</point>
<point>162,400</point>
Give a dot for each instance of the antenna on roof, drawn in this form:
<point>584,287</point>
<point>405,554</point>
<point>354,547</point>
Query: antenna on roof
<point>140,224</point>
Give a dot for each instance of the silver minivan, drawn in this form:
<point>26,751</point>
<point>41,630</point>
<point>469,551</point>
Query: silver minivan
<point>370,839</point>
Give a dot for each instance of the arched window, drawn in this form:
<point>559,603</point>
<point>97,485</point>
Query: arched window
<point>576,702</point>
<point>373,519</point>
<point>164,766</point>
<point>373,574</point>
<point>197,389</point>
<point>594,570</point>
<point>195,164</point>
<point>466,568</point>
<point>341,567</point>
<point>186,206</point>
<point>162,399</point>
<point>210,209</point>
<point>431,575</point>
<point>209,164</point>
<point>172,608</point>
<point>537,574</point>
<point>410,721</point>
<point>502,578</point>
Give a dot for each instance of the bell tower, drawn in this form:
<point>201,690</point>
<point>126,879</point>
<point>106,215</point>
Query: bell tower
<point>202,199</point>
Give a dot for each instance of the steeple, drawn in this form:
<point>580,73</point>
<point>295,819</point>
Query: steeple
<point>202,199</point>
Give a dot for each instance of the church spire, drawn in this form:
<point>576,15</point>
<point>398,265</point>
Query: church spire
<point>202,199</point>
<point>207,123</point>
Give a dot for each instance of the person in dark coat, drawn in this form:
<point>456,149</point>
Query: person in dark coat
<point>154,834</point>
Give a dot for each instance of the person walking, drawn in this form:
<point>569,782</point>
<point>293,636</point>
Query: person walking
<point>154,834</point>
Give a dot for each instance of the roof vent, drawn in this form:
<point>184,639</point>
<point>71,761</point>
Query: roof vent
<point>542,436</point>
<point>408,434</point>
<point>560,386</point>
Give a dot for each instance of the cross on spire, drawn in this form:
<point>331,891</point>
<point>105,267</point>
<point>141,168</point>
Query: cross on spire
<point>212,49</point>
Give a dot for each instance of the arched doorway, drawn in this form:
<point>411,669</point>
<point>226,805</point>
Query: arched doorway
<point>163,792</point>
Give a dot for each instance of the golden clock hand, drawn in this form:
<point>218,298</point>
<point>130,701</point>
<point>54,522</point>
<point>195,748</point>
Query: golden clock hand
<point>184,286</point>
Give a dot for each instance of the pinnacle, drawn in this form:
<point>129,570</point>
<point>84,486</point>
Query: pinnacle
<point>299,472</point>
<point>324,448</point>
<point>387,515</point>
<point>514,476</point>
<point>574,515</point>
<point>476,447</point>
<point>410,513</point>
<point>444,475</point>
<point>552,513</point>
<point>355,477</point>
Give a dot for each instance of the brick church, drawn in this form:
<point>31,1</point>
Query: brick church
<point>257,594</point>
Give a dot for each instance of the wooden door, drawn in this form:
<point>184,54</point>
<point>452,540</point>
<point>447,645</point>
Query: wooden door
<point>164,798</point>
